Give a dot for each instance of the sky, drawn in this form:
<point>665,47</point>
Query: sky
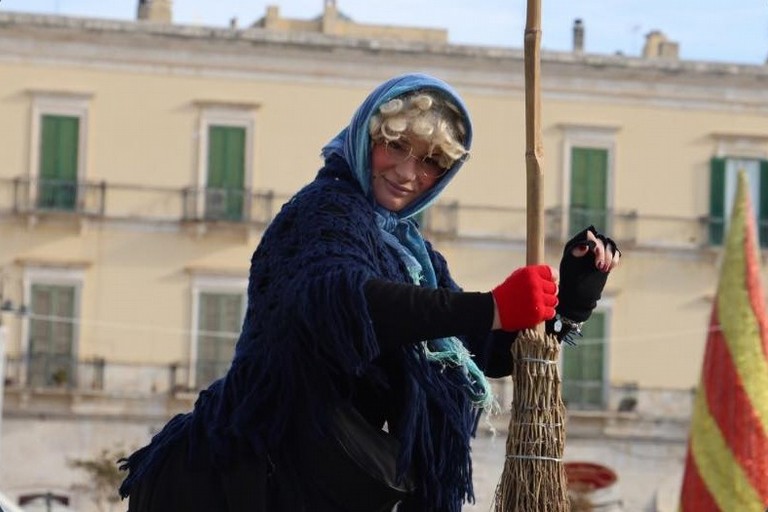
<point>707,30</point>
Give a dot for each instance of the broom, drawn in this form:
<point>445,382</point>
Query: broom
<point>534,477</point>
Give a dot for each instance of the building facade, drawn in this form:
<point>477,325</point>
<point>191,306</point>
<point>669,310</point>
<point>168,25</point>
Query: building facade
<point>141,161</point>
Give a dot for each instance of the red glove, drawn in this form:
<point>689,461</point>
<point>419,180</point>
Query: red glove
<point>526,298</point>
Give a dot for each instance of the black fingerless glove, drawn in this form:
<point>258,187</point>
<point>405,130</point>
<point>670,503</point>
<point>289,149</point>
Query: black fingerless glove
<point>581,283</point>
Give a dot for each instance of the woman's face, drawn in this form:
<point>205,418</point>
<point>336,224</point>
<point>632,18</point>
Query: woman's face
<point>401,172</point>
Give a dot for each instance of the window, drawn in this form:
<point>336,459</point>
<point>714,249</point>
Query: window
<point>59,142</point>
<point>219,320</point>
<point>723,178</point>
<point>50,333</point>
<point>584,379</point>
<point>218,308</point>
<point>225,185</point>
<point>225,162</point>
<point>589,153</point>
<point>589,186</point>
<point>59,129</point>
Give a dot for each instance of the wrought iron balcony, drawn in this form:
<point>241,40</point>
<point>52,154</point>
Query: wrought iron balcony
<point>51,371</point>
<point>70,387</point>
<point>101,379</point>
<point>454,220</point>
<point>443,220</point>
<point>62,373</point>
<point>630,229</point>
<point>228,205</point>
<point>137,203</point>
<point>33,195</point>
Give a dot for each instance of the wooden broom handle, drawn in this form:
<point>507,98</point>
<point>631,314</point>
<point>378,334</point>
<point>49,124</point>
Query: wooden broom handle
<point>534,150</point>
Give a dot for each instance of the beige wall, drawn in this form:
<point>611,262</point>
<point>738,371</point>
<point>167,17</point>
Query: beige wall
<point>135,302</point>
<point>144,129</point>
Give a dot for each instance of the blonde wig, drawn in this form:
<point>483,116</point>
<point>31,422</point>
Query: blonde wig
<point>426,116</point>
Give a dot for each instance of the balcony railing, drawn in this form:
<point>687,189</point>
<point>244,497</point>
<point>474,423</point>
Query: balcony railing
<point>444,220</point>
<point>454,220</point>
<point>34,196</point>
<point>122,380</point>
<point>227,205</point>
<point>61,196</point>
<point>97,375</point>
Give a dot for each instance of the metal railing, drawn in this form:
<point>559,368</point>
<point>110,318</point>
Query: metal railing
<point>139,203</point>
<point>228,205</point>
<point>135,380</point>
<point>97,375</point>
<point>620,398</point>
<point>61,196</point>
<point>454,220</point>
<point>445,220</point>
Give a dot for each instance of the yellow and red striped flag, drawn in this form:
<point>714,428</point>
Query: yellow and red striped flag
<point>726,468</point>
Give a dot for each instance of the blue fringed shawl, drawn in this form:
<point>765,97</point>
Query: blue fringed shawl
<point>307,339</point>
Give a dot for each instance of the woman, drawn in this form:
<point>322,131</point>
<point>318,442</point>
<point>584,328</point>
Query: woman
<point>350,309</point>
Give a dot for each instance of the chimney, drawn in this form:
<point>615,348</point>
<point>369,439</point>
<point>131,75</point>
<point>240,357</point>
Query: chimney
<point>271,17</point>
<point>330,17</point>
<point>578,36</point>
<point>158,11</point>
<point>657,46</point>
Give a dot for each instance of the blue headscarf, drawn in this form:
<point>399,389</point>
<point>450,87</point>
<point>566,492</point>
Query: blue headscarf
<point>353,143</point>
<point>399,229</point>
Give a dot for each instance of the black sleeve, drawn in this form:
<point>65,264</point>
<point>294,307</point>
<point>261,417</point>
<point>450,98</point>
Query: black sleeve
<point>404,313</point>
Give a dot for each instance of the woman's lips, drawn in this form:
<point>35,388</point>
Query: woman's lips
<point>397,189</point>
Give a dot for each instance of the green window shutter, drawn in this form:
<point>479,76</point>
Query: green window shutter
<point>219,319</point>
<point>762,217</point>
<point>583,366</point>
<point>589,189</point>
<point>59,143</point>
<point>52,359</point>
<point>226,172</point>
<point>717,201</point>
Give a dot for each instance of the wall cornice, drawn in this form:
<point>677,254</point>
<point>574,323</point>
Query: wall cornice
<point>258,54</point>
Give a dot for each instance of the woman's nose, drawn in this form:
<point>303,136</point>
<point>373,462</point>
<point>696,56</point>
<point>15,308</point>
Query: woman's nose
<point>407,169</point>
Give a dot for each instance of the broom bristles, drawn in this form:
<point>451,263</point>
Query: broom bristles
<point>534,477</point>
